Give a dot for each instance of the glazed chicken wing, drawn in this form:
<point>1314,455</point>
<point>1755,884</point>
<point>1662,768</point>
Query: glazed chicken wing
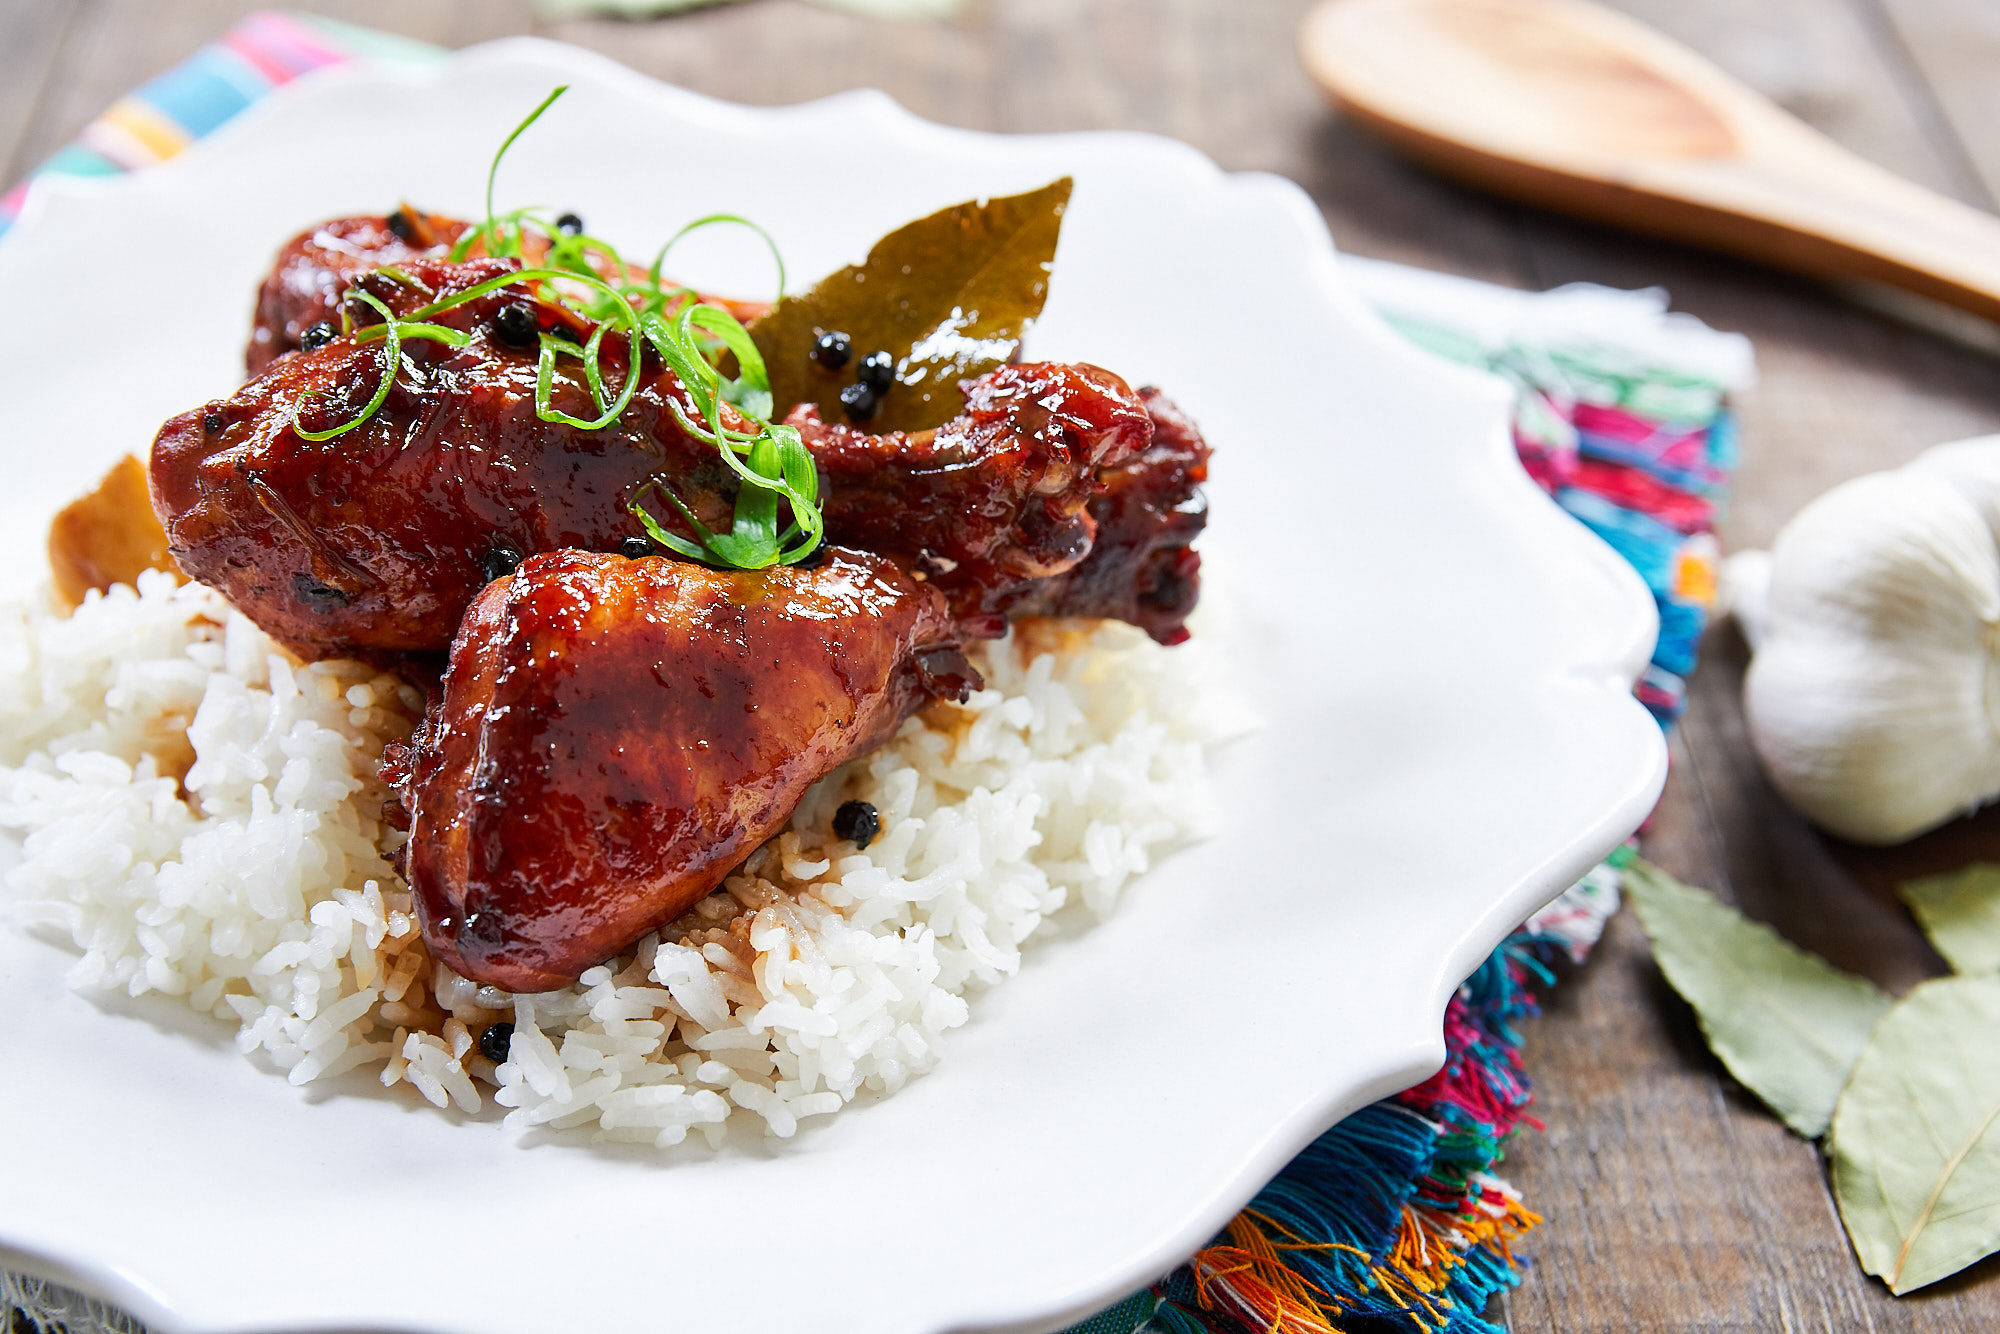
<point>314,270</point>
<point>316,267</point>
<point>615,735</point>
<point>995,501</point>
<point>1142,567</point>
<point>377,539</point>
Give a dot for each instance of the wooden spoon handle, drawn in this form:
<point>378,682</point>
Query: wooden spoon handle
<point>1846,218</point>
<point>1565,105</point>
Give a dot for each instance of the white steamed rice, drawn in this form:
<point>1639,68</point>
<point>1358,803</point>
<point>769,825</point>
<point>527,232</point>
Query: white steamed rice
<point>200,814</point>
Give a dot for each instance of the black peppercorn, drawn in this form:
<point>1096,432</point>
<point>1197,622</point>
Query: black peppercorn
<point>500,562</point>
<point>860,402</point>
<point>496,1041</point>
<point>832,350</point>
<point>632,548</point>
<point>399,225</point>
<point>569,224</point>
<point>517,326</point>
<point>318,596</point>
<point>212,421</point>
<point>878,372</point>
<point>319,335</point>
<point>858,822</point>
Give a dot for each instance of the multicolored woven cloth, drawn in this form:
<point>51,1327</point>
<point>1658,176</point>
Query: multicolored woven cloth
<point>1395,1217</point>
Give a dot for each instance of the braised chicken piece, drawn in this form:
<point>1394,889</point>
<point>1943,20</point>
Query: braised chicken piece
<point>615,735</point>
<point>316,267</point>
<point>377,539</point>
<point>1141,568</point>
<point>314,270</point>
<point>997,500</point>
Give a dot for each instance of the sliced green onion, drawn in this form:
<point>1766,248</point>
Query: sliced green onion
<point>393,332</point>
<point>493,172</point>
<point>659,260</point>
<point>673,542</point>
<point>550,348</point>
<point>692,338</point>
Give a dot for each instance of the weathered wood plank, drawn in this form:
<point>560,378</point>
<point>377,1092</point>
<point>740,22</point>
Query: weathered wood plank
<point>30,34</point>
<point>1954,45</point>
<point>109,47</point>
<point>1675,1204</point>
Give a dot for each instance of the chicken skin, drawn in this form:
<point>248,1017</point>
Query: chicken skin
<point>316,267</point>
<point>613,736</point>
<point>313,271</point>
<point>377,539</point>
<point>1142,568</point>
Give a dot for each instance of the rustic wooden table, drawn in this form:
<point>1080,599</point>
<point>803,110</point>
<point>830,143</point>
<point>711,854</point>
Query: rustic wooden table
<point>1674,1202</point>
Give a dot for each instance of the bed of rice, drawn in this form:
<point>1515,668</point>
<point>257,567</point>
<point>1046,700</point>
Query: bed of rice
<point>200,814</point>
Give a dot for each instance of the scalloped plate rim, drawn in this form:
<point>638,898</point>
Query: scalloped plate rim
<point>1616,664</point>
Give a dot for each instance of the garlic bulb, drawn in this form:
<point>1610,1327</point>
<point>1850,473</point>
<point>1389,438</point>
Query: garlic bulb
<point>1874,695</point>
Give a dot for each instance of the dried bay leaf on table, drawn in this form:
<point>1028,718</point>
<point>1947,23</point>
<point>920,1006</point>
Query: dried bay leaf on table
<point>1916,1138</point>
<point>1787,1024</point>
<point>1960,912</point>
<point>949,296</point>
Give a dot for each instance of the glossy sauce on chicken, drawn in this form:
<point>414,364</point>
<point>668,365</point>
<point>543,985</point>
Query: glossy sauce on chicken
<point>376,540</point>
<point>615,735</point>
<point>314,270</point>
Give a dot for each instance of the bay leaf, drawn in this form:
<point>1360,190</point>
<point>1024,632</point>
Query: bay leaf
<point>1960,912</point>
<point>1786,1023</point>
<point>1916,1137</point>
<point>949,296</point>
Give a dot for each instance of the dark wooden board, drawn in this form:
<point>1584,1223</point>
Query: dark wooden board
<point>1675,1204</point>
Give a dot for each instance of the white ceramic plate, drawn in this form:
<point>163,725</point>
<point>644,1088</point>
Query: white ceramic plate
<point>1442,655</point>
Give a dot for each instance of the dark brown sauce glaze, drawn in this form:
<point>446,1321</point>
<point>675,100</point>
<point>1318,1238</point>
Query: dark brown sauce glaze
<point>1142,568</point>
<point>316,267</point>
<point>376,540</point>
<point>615,735</point>
<point>994,501</point>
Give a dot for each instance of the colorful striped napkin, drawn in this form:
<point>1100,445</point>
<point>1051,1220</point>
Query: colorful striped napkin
<point>1396,1214</point>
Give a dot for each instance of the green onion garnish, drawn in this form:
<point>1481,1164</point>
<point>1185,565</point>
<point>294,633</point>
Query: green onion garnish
<point>691,337</point>
<point>393,331</point>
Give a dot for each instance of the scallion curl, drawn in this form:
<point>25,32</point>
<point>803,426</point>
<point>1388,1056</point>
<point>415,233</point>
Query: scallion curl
<point>713,219</point>
<point>771,463</point>
<point>394,331</point>
<point>488,230</point>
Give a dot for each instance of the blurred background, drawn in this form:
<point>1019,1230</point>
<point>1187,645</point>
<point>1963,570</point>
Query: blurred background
<point>1674,1202</point>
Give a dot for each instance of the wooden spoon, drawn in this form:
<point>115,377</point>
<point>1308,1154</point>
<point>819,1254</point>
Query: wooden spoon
<point>1570,106</point>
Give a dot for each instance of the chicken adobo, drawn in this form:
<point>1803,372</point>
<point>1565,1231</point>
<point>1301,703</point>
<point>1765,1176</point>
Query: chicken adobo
<point>443,447</point>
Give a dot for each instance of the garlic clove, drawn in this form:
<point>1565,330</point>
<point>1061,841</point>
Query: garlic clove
<point>1744,592</point>
<point>1874,698</point>
<point>1893,557</point>
<point>1972,468</point>
<point>1874,746</point>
